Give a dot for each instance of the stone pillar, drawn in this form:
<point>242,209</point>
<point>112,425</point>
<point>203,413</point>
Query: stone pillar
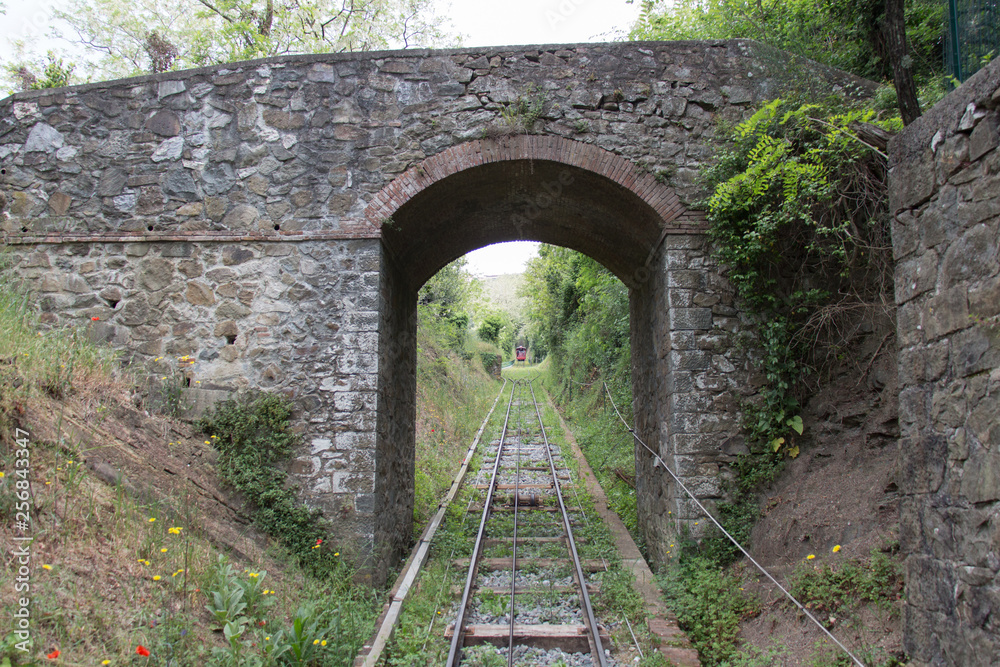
<point>397,414</point>
<point>686,367</point>
<point>654,489</point>
<point>945,193</point>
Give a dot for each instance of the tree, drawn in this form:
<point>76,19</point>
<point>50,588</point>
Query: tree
<point>897,52</point>
<point>137,36</point>
<point>491,327</point>
<point>898,40</point>
<point>27,74</point>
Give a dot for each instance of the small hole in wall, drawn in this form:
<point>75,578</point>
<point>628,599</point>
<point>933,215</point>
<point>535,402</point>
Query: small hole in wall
<point>112,303</point>
<point>3,172</point>
<point>187,382</point>
<point>231,340</point>
<point>24,229</point>
<point>149,228</point>
<point>277,228</point>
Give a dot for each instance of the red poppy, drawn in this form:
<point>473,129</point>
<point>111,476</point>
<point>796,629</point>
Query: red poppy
<point>53,655</point>
<point>319,540</point>
<point>95,318</point>
<point>142,650</point>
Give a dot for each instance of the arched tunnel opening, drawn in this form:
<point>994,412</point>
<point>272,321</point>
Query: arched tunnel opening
<point>520,199</point>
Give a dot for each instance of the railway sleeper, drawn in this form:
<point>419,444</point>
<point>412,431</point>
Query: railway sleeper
<point>495,564</point>
<point>569,638</point>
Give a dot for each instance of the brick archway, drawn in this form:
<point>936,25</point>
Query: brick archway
<point>557,191</point>
<point>543,188</point>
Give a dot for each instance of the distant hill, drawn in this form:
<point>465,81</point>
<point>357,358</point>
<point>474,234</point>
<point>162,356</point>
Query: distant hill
<point>502,291</point>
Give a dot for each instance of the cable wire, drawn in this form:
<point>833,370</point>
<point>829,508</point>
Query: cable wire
<point>726,533</point>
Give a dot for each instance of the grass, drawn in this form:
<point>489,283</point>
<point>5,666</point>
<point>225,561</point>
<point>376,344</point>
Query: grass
<point>831,589</point>
<point>110,574</point>
<point>49,362</point>
<point>454,393</point>
<point>709,603</point>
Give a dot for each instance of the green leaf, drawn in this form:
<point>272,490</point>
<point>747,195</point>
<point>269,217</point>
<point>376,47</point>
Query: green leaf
<point>796,424</point>
<point>777,443</point>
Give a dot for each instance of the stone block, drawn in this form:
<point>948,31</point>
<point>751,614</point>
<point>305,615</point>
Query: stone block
<point>690,360</point>
<point>922,462</point>
<point>984,137</point>
<point>946,312</point>
<point>112,182</point>
<point>155,274</point>
<point>165,123</point>
<point>686,279</point>
<point>912,182</point>
<point>930,584</point>
<point>972,257</point>
<point>975,350</point>
<point>981,472</point>
<point>690,318</point>
<point>43,138</point>
<point>923,363</point>
<point>915,275</point>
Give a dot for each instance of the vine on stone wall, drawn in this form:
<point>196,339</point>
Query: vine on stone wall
<point>799,215</point>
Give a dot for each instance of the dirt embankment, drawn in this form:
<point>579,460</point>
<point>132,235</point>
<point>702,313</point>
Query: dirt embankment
<point>155,459</point>
<point>841,490</point>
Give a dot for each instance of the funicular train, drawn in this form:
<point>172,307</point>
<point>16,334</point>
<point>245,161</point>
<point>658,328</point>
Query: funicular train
<point>521,353</point>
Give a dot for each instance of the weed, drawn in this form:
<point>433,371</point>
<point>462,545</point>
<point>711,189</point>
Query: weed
<point>519,116</point>
<point>709,606</point>
<point>253,433</point>
<point>823,588</point>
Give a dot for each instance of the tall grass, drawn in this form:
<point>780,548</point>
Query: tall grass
<point>454,392</point>
<point>51,361</point>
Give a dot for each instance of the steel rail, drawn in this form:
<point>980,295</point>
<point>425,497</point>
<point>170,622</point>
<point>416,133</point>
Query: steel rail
<point>513,559</point>
<point>458,636</point>
<point>584,595</point>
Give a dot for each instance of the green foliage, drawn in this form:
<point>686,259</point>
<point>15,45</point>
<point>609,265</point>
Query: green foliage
<point>578,315</point>
<point>709,606</point>
<point>845,34</point>
<point>823,588</point>
<point>253,434</point>
<point>327,629</point>
<point>797,201</point>
<point>23,72</point>
<point>142,36</point>
<point>491,327</point>
<point>520,116</point>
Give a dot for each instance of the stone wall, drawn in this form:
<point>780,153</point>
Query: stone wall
<point>272,220</point>
<point>945,192</point>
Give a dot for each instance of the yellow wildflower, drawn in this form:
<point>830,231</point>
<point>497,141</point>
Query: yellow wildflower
<point>810,556</point>
<point>836,548</point>
<point>47,566</point>
<point>156,577</point>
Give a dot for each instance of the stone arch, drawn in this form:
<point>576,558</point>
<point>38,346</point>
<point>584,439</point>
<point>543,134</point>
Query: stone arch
<point>494,181</point>
<point>548,189</point>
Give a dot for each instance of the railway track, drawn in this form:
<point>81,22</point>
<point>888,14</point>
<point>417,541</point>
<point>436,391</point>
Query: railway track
<point>527,591</point>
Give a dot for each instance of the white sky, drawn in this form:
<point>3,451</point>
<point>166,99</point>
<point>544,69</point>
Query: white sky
<point>480,22</point>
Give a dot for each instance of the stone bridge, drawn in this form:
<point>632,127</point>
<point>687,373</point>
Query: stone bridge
<point>271,222</point>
